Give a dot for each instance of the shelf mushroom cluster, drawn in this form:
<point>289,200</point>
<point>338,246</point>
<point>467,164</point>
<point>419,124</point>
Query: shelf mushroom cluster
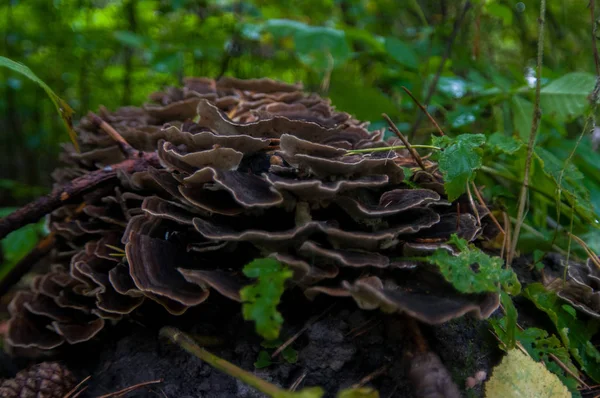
<point>250,168</point>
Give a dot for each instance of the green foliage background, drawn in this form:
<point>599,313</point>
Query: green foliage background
<point>358,52</point>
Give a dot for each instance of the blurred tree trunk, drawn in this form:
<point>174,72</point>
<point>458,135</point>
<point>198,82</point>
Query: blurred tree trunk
<point>130,13</point>
<point>14,164</point>
<point>84,61</point>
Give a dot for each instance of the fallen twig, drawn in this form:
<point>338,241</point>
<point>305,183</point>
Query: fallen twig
<point>76,388</point>
<point>424,109</point>
<point>396,131</point>
<point>125,147</point>
<point>473,207</point>
<point>308,323</point>
<point>376,373</point>
<point>299,380</point>
<point>482,203</point>
<point>129,389</point>
<point>186,342</point>
<point>71,191</point>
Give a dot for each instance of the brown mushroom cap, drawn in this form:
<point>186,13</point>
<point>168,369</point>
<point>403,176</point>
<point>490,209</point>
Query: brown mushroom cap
<point>248,168</point>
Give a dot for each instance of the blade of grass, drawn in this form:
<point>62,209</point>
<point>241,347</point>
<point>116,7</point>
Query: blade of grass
<point>64,110</point>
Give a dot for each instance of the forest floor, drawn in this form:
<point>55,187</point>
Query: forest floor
<point>338,348</point>
<point>344,347</point>
<point>335,352</point>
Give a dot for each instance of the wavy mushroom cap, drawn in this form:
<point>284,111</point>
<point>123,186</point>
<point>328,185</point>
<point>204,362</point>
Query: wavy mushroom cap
<point>249,168</point>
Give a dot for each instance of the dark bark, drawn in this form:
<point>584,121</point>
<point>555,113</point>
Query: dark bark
<point>72,191</point>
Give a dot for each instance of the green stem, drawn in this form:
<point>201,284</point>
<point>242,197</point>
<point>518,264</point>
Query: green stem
<point>391,148</point>
<point>537,114</point>
<point>186,342</point>
<point>550,199</point>
<point>537,233</point>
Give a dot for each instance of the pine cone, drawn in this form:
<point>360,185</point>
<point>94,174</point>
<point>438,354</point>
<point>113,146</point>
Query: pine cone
<point>44,380</point>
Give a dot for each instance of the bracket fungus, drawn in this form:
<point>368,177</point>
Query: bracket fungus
<point>581,288</point>
<point>247,168</point>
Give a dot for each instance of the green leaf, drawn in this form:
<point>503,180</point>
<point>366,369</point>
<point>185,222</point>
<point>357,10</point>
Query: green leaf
<point>570,310</point>
<point>362,392</point>
<point>322,48</point>
<point>542,347</point>
<point>453,87</point>
<point>260,300</point>
<point>575,334</point>
<point>318,47</point>
<point>263,360</point>
<point>401,52</point>
<point>522,111</point>
<point>308,392</point>
<point>458,161</point>
<point>500,11</point>
<point>281,28</point>
<point>511,319</point>
<point>64,110</point>
<point>570,181</point>
<point>463,115</point>
<point>498,142</point>
<point>131,39</point>
<point>567,96</point>
<point>473,271</point>
<point>520,376</point>
<point>271,343</point>
<point>19,243</point>
<point>290,355</point>
<point>371,102</point>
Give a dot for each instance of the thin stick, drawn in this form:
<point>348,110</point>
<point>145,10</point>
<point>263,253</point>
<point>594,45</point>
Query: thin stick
<point>366,329</point>
<point>390,148</point>
<point>396,131</point>
<point>299,380</point>
<point>473,207</point>
<point>125,147</point>
<point>71,191</point>
<point>425,111</point>
<point>378,372</point>
<point>80,392</point>
<point>593,257</point>
<point>537,233</point>
<point>419,343</point>
<point>186,342</point>
<point>594,46</point>
<point>558,361</point>
<point>507,235</point>
<point>482,202</point>
<point>537,114</point>
<point>566,369</point>
<point>74,389</point>
<point>361,326</point>
<point>489,170</point>
<point>457,24</point>
<point>127,390</point>
<point>289,341</point>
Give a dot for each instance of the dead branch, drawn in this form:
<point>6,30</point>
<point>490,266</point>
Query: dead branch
<point>71,191</point>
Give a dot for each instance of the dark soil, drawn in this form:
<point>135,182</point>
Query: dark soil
<point>343,347</point>
<point>335,352</point>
